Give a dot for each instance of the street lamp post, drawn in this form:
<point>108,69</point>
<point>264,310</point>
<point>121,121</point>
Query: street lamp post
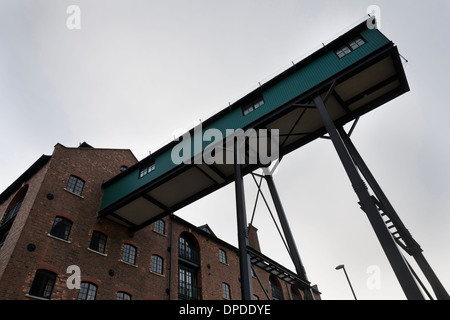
<point>341,266</point>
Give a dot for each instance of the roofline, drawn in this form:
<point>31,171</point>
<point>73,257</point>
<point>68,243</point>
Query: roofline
<point>35,167</point>
<point>93,149</point>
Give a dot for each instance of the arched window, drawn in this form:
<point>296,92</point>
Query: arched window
<point>187,249</point>
<point>88,291</point>
<point>98,241</point>
<point>61,228</point>
<point>75,185</point>
<point>157,264</point>
<point>10,214</point>
<point>121,295</point>
<point>188,268</point>
<point>226,292</point>
<point>277,293</point>
<point>15,205</point>
<point>129,253</point>
<point>43,284</point>
<point>295,293</point>
<point>223,256</point>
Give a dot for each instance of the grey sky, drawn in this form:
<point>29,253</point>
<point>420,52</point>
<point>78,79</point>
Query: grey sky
<point>137,71</point>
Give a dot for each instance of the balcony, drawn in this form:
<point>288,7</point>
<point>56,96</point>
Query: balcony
<point>189,255</point>
<point>189,291</point>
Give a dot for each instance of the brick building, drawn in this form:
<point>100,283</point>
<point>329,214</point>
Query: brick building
<point>50,233</point>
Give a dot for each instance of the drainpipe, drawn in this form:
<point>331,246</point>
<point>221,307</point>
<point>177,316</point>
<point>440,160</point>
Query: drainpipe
<point>170,256</point>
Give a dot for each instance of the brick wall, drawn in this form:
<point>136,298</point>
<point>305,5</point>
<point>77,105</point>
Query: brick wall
<point>37,215</point>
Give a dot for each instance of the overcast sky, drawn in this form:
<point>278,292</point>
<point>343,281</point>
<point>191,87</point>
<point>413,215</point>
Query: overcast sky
<point>137,71</point>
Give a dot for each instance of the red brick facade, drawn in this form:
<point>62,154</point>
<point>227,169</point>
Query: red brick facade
<point>28,246</point>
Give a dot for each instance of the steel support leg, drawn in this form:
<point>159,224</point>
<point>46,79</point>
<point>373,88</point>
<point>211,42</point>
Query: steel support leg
<point>288,234</point>
<point>244,258</point>
<point>414,247</point>
<point>388,244</point>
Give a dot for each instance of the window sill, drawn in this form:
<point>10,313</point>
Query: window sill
<point>102,254</point>
<point>130,264</point>
<point>224,263</point>
<point>35,297</point>
<point>157,274</point>
<point>52,236</point>
<point>75,194</point>
<point>159,233</point>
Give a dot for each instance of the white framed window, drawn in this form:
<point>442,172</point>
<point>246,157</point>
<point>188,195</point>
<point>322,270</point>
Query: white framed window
<point>252,106</point>
<point>350,47</point>
<point>146,170</point>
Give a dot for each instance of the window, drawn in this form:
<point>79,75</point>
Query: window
<point>187,250</point>
<point>61,228</point>
<point>43,283</point>
<point>255,297</point>
<point>98,241</point>
<point>275,287</point>
<point>157,264</point>
<point>159,226</point>
<point>11,212</point>
<point>75,185</point>
<point>123,296</point>
<point>351,46</point>
<point>356,43</point>
<point>226,291</point>
<point>187,284</point>
<point>343,51</point>
<point>88,291</point>
<point>295,294</point>
<point>146,170</point>
<point>123,168</point>
<point>14,205</point>
<point>252,106</point>
<point>129,253</point>
<point>222,256</point>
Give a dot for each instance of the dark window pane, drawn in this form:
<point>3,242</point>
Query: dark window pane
<point>88,291</point>
<point>129,253</point>
<point>226,291</point>
<point>61,228</point>
<point>277,294</point>
<point>98,242</point>
<point>43,283</point>
<point>159,226</point>
<point>157,264</point>
<point>222,256</point>
<point>75,185</point>
<point>123,296</point>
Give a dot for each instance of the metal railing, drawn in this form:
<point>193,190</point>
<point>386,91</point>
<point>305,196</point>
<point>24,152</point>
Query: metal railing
<point>189,291</point>
<point>189,254</point>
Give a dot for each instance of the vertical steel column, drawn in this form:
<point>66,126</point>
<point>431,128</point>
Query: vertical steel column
<point>244,258</point>
<point>388,244</point>
<point>414,247</point>
<point>288,234</point>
